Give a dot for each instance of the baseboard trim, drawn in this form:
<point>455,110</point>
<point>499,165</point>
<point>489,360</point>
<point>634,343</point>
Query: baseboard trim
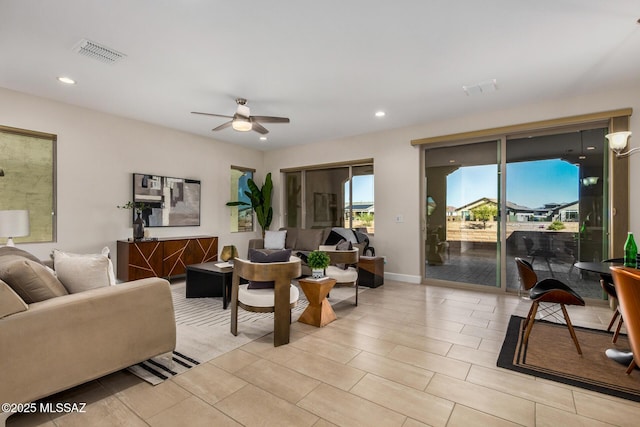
<point>403,278</point>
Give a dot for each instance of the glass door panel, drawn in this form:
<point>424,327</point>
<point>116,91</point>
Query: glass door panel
<point>462,222</point>
<point>555,206</point>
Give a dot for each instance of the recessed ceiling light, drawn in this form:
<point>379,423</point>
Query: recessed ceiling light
<point>380,114</point>
<point>591,147</point>
<point>263,138</point>
<point>66,80</point>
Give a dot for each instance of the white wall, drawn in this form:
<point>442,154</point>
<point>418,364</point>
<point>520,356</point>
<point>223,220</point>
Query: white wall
<point>96,155</point>
<point>98,152</point>
<point>397,174</point>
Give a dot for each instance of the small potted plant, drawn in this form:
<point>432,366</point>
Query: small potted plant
<point>318,261</point>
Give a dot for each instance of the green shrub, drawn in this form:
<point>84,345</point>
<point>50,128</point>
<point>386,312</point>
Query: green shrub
<point>555,226</point>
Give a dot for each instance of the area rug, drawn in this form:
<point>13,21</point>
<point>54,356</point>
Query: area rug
<point>203,331</point>
<point>551,354</point>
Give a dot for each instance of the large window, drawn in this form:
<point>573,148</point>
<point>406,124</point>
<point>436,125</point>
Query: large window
<point>27,180</point>
<point>339,195</point>
<point>241,216</point>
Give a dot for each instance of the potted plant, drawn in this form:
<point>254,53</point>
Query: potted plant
<point>260,201</point>
<point>318,261</point>
<point>138,223</point>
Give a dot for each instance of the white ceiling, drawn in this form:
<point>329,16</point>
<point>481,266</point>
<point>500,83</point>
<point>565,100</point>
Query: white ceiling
<point>328,65</point>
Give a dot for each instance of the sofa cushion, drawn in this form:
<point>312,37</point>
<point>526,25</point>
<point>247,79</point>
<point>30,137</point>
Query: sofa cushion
<point>13,251</point>
<point>31,280</point>
<point>292,236</point>
<point>275,239</point>
<point>309,239</point>
<point>10,302</point>
<point>80,272</point>
<point>263,257</point>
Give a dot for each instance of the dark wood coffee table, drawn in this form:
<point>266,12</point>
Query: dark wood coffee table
<point>208,280</point>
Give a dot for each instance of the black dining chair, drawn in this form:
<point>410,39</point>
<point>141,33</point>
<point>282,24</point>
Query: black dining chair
<point>550,291</point>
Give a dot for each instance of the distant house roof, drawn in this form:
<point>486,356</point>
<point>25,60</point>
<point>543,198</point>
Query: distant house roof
<point>514,207</point>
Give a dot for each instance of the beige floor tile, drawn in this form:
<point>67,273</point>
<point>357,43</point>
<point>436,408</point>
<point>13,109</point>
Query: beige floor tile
<point>106,412</point>
<point>355,340</point>
<point>491,346</point>
<point>450,337</point>
<point>252,406</point>
<point>430,361</point>
<point>410,422</point>
<point>602,409</point>
<point>524,386</point>
<point>345,409</point>
<point>471,355</point>
<point>281,381</point>
<point>234,360</point>
<point>463,416</point>
<point>209,382</point>
<point>417,342</point>
<point>489,308</point>
<point>393,370</point>
<point>359,327</point>
<point>331,350</point>
<point>547,416</point>
<point>147,400</point>
<point>192,412</point>
<point>475,331</point>
<point>264,349</point>
<point>325,370</point>
<point>483,399</point>
<point>323,423</point>
<point>413,403</point>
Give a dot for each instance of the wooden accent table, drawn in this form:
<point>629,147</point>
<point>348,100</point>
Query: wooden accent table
<point>319,312</point>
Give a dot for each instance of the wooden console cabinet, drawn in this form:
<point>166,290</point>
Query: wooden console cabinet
<point>163,257</point>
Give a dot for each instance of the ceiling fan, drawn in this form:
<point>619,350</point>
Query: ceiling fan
<point>243,121</point>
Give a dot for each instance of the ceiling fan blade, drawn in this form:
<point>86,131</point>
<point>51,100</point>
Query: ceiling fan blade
<point>270,119</point>
<point>258,128</point>
<point>223,126</point>
<point>211,114</point>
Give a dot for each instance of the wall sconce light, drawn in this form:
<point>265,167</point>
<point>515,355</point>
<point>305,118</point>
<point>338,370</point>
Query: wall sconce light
<point>618,141</point>
<point>14,224</point>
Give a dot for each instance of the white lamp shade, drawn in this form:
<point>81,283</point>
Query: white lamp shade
<point>618,140</point>
<point>14,224</point>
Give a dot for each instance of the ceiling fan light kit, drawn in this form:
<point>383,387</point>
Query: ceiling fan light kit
<point>243,121</point>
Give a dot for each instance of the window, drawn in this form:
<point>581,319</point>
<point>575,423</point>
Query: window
<point>27,180</point>
<point>336,195</point>
<point>241,216</point>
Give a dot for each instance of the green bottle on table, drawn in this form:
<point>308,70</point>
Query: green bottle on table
<point>630,251</point>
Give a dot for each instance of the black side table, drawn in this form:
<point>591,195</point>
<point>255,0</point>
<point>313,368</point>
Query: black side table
<point>208,280</point>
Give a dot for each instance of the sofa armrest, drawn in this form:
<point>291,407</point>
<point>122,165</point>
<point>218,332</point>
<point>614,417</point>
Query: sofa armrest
<point>65,341</point>
<point>10,302</point>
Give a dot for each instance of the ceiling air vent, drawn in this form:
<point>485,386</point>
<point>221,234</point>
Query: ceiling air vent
<point>97,51</point>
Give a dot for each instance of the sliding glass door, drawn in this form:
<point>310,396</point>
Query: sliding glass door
<point>462,241</point>
<point>548,193</point>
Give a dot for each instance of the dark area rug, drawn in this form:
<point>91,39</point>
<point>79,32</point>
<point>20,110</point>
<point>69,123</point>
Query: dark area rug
<point>551,354</point>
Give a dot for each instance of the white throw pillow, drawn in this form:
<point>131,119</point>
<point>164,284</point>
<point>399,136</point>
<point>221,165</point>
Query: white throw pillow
<point>275,239</point>
<point>80,272</point>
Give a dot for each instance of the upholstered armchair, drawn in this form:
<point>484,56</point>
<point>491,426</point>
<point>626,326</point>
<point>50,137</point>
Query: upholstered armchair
<point>343,268</point>
<point>279,299</point>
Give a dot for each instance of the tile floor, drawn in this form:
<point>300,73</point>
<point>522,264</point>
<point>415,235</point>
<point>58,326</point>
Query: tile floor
<point>408,355</point>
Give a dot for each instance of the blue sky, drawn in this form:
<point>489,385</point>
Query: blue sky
<point>530,184</point>
<point>362,188</point>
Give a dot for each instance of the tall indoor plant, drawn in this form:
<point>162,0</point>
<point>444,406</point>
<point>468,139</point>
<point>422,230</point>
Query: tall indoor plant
<point>260,201</point>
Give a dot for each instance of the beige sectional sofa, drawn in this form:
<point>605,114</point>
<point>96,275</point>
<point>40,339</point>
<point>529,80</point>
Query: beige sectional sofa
<point>51,340</point>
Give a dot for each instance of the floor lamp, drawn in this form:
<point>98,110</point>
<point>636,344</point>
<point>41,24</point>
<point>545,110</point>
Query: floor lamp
<point>14,224</point>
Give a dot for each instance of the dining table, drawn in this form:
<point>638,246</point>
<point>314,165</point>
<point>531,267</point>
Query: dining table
<point>603,268</point>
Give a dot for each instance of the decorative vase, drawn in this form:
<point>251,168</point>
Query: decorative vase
<point>138,228</point>
<point>228,253</point>
<point>317,273</point>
